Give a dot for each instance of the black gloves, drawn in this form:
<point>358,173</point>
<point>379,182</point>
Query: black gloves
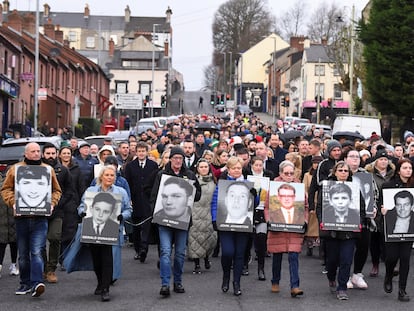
<point>253,192</point>
<point>214,226</point>
<point>120,217</point>
<point>83,214</point>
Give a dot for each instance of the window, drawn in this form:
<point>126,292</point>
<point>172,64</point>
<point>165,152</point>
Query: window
<point>72,36</point>
<point>90,42</point>
<point>319,70</point>
<point>321,91</point>
<point>142,64</point>
<point>336,70</point>
<point>337,91</point>
<point>114,38</point>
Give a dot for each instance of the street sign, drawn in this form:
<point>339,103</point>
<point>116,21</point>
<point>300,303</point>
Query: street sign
<point>42,94</point>
<point>128,101</point>
<point>230,104</point>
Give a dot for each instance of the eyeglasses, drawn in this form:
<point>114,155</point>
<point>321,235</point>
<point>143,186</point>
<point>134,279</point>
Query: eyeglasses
<point>341,170</point>
<point>288,173</point>
<point>179,158</point>
<point>353,156</point>
<point>286,196</point>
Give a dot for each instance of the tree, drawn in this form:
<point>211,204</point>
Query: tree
<point>210,77</point>
<point>291,22</point>
<point>237,26</point>
<point>389,56</point>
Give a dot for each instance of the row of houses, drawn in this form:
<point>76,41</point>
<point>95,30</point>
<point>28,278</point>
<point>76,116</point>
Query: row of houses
<point>85,60</point>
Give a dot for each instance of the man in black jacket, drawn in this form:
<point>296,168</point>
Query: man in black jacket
<point>54,233</point>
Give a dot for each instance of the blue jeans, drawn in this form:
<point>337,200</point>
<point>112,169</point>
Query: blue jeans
<point>293,268</point>
<point>339,254</point>
<point>168,238</point>
<point>233,247</point>
<point>31,239</point>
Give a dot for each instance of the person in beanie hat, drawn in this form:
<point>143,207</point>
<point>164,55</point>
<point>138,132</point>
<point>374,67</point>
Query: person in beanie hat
<point>169,236</point>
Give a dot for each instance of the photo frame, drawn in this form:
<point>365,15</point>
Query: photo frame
<point>340,206</point>
<point>286,207</point>
<point>174,202</point>
<point>33,190</point>
<point>101,224</point>
<point>399,219</point>
<point>365,183</point>
<point>235,206</point>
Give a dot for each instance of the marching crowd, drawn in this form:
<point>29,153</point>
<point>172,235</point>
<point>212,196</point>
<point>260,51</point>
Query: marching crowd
<point>240,148</point>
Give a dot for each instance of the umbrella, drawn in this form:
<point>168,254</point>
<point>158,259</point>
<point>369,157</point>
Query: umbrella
<point>348,135</point>
<point>207,126</point>
<point>291,135</point>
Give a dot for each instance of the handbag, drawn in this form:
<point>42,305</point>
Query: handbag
<point>313,226</point>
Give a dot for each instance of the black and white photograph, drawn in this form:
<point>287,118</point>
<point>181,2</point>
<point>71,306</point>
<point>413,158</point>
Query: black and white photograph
<point>100,225</point>
<point>340,206</point>
<point>286,206</point>
<point>235,206</point>
<point>174,202</point>
<point>33,193</point>
<point>399,218</point>
<point>365,182</point>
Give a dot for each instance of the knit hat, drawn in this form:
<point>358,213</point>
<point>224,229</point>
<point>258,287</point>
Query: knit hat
<point>333,144</point>
<point>214,143</point>
<point>177,150</point>
<point>382,153</point>
<point>408,134</point>
<point>111,160</point>
<point>364,152</point>
<point>316,159</point>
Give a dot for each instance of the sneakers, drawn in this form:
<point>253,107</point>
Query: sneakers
<point>349,284</point>
<point>51,277</point>
<point>342,295</point>
<point>13,269</point>
<point>358,281</point>
<point>179,288</point>
<point>38,290</point>
<point>23,290</point>
<point>197,270</point>
<point>165,291</point>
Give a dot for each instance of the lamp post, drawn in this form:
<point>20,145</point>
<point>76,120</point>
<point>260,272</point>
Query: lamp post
<point>273,95</point>
<point>36,82</point>
<point>318,99</point>
<point>224,78</point>
<point>241,78</point>
<point>351,63</point>
<point>153,71</point>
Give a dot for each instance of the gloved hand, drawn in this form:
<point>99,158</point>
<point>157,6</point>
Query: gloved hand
<point>215,226</point>
<point>120,217</point>
<point>253,192</point>
<point>83,214</point>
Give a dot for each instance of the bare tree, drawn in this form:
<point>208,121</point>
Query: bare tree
<point>210,77</point>
<point>292,22</point>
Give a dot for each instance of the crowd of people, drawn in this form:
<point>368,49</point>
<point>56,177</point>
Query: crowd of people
<point>189,165</point>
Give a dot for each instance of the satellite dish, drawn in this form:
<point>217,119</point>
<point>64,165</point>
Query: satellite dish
<point>54,52</point>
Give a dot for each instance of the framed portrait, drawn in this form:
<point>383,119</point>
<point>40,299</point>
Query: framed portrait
<point>286,206</point>
<point>235,206</point>
<point>365,183</point>
<point>101,225</point>
<point>399,219</point>
<point>174,202</point>
<point>340,206</point>
<point>33,190</point>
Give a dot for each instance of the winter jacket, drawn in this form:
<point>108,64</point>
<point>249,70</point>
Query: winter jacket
<point>7,224</point>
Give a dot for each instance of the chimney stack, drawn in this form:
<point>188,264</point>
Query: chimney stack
<point>324,41</point>
<point>166,48</point>
<point>49,29</point>
<point>111,47</point>
<point>29,23</point>
<point>58,34</point>
<point>297,43</point>
<point>15,21</point>
<point>6,6</point>
<point>168,14</point>
<point>86,12</point>
<point>46,10</point>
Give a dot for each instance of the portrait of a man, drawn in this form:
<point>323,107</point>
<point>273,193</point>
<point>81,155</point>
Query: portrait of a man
<point>339,209</point>
<point>33,190</point>
<point>174,201</point>
<point>399,218</point>
<point>364,182</point>
<point>235,206</point>
<point>100,226</point>
<point>286,207</point>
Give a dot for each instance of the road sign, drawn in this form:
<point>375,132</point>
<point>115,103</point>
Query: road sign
<point>230,104</point>
<point>42,94</point>
<point>128,101</point>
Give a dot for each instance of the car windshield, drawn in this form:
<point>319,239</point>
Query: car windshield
<point>10,152</point>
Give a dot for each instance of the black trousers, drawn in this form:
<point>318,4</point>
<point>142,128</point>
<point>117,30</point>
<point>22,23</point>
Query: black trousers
<point>13,251</point>
<point>395,251</point>
<point>361,250</point>
<point>260,245</point>
<point>140,234</point>
<point>102,264</point>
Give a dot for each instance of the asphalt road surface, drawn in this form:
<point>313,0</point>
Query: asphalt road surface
<point>139,287</point>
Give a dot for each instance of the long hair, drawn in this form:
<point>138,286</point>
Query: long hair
<point>410,182</point>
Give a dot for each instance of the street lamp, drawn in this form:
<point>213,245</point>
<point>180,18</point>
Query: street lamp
<point>36,82</point>
<point>153,70</point>
<point>273,80</point>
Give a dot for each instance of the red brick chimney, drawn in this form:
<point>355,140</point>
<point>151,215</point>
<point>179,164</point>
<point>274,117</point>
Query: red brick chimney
<point>66,43</point>
<point>324,41</point>
<point>49,29</point>
<point>111,47</point>
<point>15,21</point>
<point>297,43</point>
<point>29,23</point>
<point>166,48</point>
<point>58,34</point>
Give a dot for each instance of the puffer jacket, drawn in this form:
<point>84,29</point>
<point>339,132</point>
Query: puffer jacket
<point>7,224</point>
<point>202,238</point>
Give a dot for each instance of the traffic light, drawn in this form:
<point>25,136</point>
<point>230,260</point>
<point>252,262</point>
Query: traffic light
<point>287,100</point>
<point>163,101</point>
<point>222,99</point>
<point>212,99</point>
<point>227,96</point>
<point>146,100</point>
<point>282,101</point>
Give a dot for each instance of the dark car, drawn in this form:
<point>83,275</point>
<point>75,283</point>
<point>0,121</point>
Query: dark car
<point>12,150</point>
<point>243,109</point>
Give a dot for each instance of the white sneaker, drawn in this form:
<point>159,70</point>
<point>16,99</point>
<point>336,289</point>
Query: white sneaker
<point>349,284</point>
<point>358,281</point>
<point>1,267</point>
<point>13,269</point>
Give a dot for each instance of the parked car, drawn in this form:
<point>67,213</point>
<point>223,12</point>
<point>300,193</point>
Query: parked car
<point>293,122</point>
<point>150,123</point>
<point>243,109</point>
<point>327,130</point>
<point>99,140</point>
<point>12,150</point>
<point>119,136</point>
<point>220,107</point>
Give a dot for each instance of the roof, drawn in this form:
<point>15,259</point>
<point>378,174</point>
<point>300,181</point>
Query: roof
<point>317,53</point>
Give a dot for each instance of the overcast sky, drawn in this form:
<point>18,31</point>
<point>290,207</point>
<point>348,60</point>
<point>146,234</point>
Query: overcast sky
<point>191,22</point>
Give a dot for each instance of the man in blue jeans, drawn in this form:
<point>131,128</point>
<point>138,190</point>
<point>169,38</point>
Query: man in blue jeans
<point>171,236</point>
<point>31,230</point>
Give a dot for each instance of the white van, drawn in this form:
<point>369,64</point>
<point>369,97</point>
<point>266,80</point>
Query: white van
<point>364,125</point>
<point>150,123</point>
